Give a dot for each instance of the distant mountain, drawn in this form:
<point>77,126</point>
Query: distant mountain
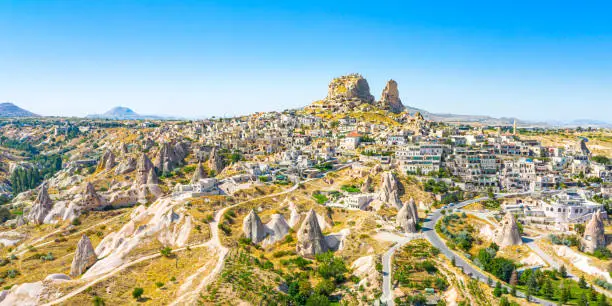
<point>488,120</point>
<point>8,110</point>
<point>123,113</point>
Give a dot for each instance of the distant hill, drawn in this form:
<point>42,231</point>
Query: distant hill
<point>123,113</point>
<point>8,110</point>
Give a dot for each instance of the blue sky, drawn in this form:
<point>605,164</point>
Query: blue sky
<point>536,60</point>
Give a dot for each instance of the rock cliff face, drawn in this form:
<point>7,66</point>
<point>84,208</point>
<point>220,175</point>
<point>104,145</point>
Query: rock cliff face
<point>253,227</point>
<point>390,99</point>
<point>405,219</point>
<point>352,87</point>
<point>215,161</point>
<point>143,168</point>
<point>41,207</point>
<point>198,174</point>
<point>107,161</point>
<point>310,238</point>
<point>90,199</point>
<point>594,236</point>
<point>508,234</point>
<point>84,257</point>
<point>389,192</point>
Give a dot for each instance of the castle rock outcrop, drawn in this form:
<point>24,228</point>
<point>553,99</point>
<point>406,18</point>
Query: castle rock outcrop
<point>349,88</point>
<point>390,99</point>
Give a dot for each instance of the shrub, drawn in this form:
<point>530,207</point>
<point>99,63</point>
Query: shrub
<point>166,252</point>
<point>137,293</point>
<point>159,284</point>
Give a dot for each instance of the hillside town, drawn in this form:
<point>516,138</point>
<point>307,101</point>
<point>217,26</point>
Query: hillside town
<point>350,200</point>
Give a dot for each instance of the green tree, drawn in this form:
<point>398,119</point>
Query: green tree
<point>137,293</point>
<point>532,284</point>
<point>583,301</point>
<point>317,300</point>
<point>582,282</point>
<point>565,295</point>
<point>563,271</point>
<point>504,301</point>
<point>602,301</point>
<point>331,267</point>
<point>548,289</point>
<point>325,287</point>
<point>498,289</point>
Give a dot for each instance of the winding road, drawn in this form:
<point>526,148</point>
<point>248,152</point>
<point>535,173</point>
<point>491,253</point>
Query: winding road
<point>430,234</point>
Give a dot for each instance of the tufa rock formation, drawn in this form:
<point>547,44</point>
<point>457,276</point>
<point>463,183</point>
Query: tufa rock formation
<point>143,168</point>
<point>367,183</point>
<point>253,227</point>
<point>413,209</point>
<point>352,87</point>
<point>508,234</point>
<point>277,228</point>
<point>152,177</point>
<point>310,238</point>
<point>405,219</point>
<point>90,199</point>
<point>126,166</point>
<point>198,174</point>
<point>594,236</point>
<point>215,161</point>
<point>84,257</point>
<point>390,99</point>
<point>389,192</point>
<point>170,155</point>
<point>41,207</point>
<point>107,161</point>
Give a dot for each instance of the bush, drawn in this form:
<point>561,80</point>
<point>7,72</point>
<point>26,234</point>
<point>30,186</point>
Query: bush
<point>166,252</point>
<point>159,284</point>
<point>76,222</point>
<point>137,293</point>
<point>97,301</point>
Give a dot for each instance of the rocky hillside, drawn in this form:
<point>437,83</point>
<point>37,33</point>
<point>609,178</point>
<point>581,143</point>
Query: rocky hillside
<point>8,109</point>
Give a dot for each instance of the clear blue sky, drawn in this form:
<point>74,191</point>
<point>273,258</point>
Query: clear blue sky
<point>536,60</point>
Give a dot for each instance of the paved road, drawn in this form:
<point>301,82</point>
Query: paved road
<point>387,296</point>
<point>433,237</point>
